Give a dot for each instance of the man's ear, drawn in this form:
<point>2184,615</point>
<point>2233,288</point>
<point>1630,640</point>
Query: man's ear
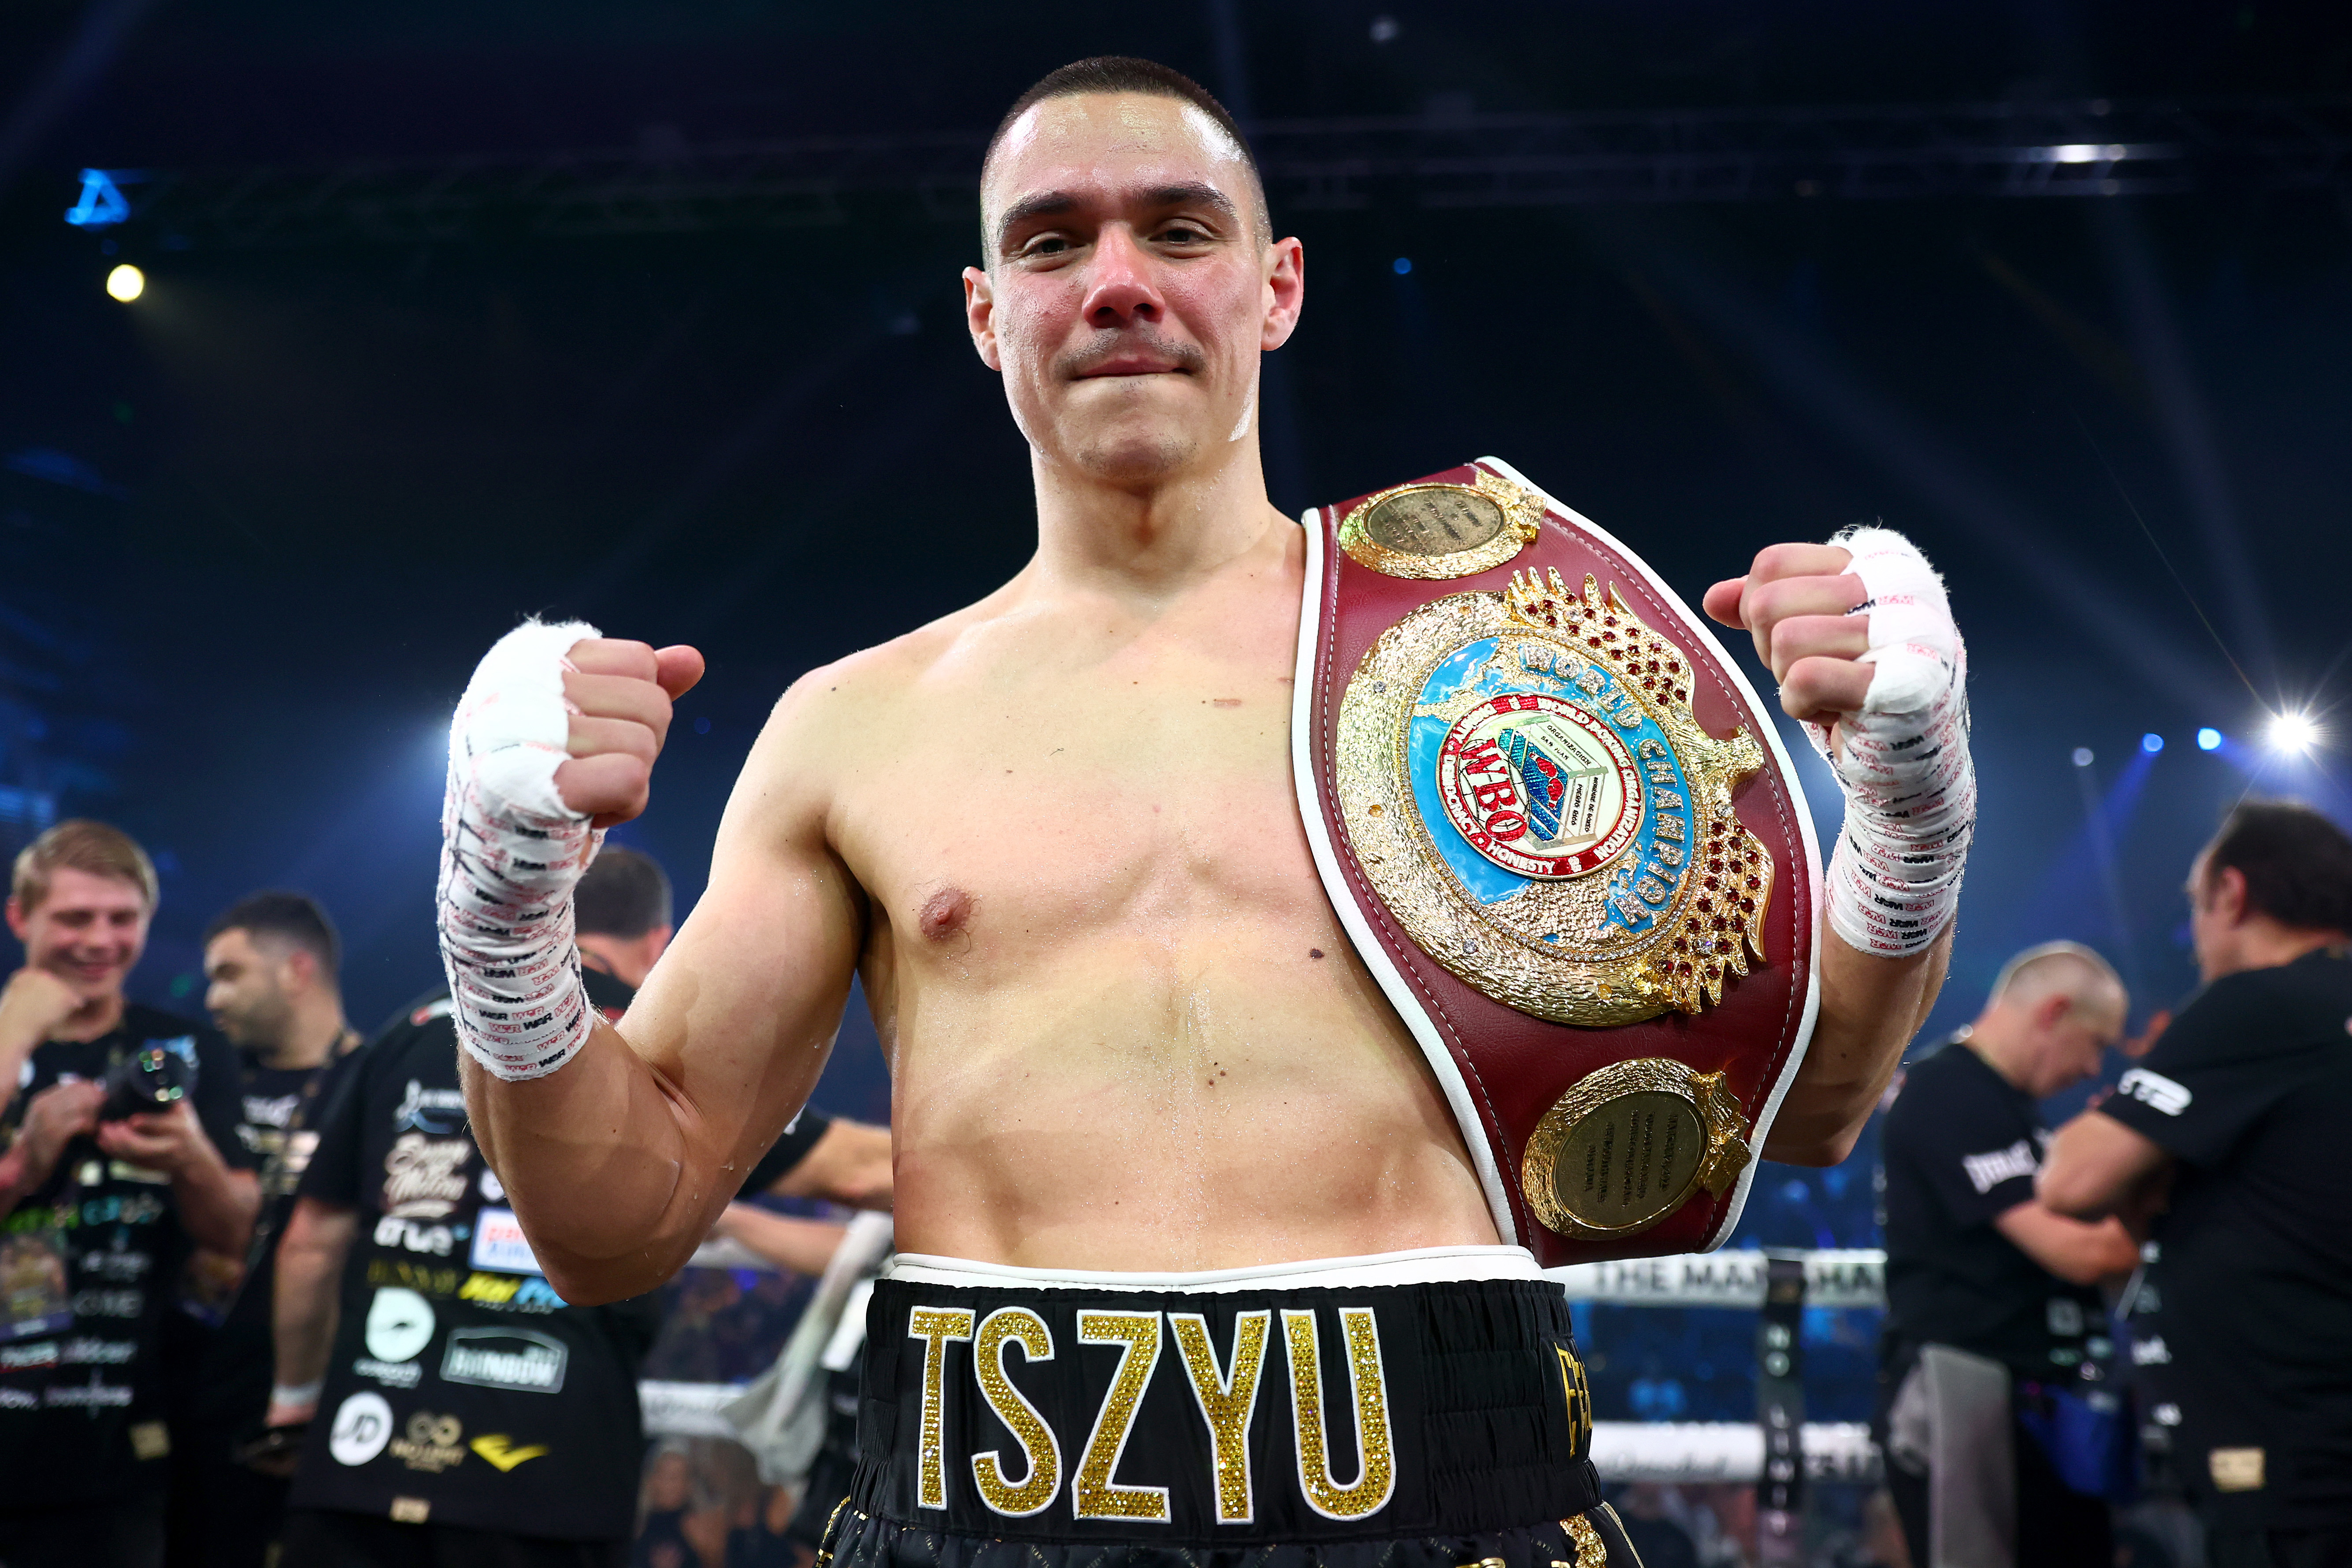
<point>2229,895</point>
<point>980,316</point>
<point>17,918</point>
<point>1285,292</point>
<point>302,966</point>
<point>2051,1011</point>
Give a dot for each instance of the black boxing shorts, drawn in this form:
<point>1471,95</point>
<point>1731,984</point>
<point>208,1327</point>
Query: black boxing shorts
<point>1416,1408</point>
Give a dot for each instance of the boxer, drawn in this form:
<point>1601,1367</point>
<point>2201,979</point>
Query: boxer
<point>1194,1255</point>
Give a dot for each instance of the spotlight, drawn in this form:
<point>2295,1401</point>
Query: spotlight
<point>2082,758</point>
<point>2294,733</point>
<point>126,282</point>
<point>2208,739</point>
<point>1403,264</point>
<point>2151,744</point>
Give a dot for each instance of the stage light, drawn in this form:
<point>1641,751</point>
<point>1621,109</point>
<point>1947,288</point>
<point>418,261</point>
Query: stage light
<point>2082,757</point>
<point>2208,739</point>
<point>126,282</point>
<point>2294,733</point>
<point>2151,744</point>
<point>2087,153</point>
<point>1403,264</point>
<point>102,204</point>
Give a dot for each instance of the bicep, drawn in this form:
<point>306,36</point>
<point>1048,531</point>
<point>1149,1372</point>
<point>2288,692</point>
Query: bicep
<point>741,1013</point>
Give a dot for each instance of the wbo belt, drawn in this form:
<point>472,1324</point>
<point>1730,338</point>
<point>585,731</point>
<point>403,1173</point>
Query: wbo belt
<point>1223,1417</point>
<point>1562,832</point>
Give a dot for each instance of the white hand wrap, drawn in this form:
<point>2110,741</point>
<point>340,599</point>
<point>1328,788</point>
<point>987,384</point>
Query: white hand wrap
<point>1910,790</point>
<point>511,852</point>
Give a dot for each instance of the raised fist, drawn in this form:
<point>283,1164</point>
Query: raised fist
<point>1797,601</point>
<point>619,694</point>
<point>35,1004</point>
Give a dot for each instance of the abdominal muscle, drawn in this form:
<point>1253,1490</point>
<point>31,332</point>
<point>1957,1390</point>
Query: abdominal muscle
<point>1216,1102</point>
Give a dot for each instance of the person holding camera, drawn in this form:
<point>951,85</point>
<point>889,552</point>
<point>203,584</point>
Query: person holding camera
<point>122,1159</point>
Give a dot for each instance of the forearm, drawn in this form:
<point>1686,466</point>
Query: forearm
<point>216,1205</point>
<point>1871,1009</point>
<point>18,1179</point>
<point>802,1245</point>
<point>305,1299</point>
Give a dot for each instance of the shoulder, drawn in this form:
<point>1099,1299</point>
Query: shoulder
<point>1944,1095</point>
<point>2260,1012</point>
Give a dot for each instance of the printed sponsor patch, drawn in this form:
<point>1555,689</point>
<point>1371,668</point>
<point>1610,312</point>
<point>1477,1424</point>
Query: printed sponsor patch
<point>391,1373</point>
<point>1989,1170</point>
<point>429,1443</point>
<point>410,1510</point>
<point>150,1440</point>
<point>519,1359</point>
<point>500,1246</point>
<point>399,1324</point>
<point>2235,1469</point>
<point>2158,1093</point>
<point>425,1178</point>
<point>504,1452</point>
<point>363,1427</point>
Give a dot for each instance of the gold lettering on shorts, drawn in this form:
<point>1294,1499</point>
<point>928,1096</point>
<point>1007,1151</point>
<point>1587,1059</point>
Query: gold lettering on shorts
<point>1227,1400</point>
<point>1095,1495</point>
<point>935,1326</point>
<point>1578,1393</point>
<point>1376,1455</point>
<point>1005,1327</point>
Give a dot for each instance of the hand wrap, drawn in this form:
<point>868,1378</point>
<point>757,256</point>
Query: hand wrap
<point>1910,790</point>
<point>511,853</point>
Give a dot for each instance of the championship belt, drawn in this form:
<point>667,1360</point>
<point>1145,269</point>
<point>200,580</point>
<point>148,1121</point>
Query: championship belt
<point>1562,832</point>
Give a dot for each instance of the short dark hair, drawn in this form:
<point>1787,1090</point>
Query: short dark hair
<point>1126,73</point>
<point>625,893</point>
<point>2298,864</point>
<point>293,917</point>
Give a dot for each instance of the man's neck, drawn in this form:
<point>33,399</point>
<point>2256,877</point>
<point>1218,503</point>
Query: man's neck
<point>2265,943</point>
<point>1149,538</point>
<point>318,1027</point>
<point>1998,1051</point>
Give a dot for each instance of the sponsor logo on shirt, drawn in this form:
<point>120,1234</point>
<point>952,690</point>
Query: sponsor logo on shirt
<point>2151,1352</point>
<point>18,1399</point>
<point>429,1443</point>
<point>275,1111</point>
<point>93,1396</point>
<point>109,1303</point>
<point>500,1246</point>
<point>14,1358</point>
<point>1989,1170</point>
<point>2155,1090</point>
<point>409,1236</point>
<point>2065,1316</point>
<point>391,1373</point>
<point>519,1359</point>
<point>439,1112</point>
<point>511,1293</point>
<point>86,1351</point>
<point>362,1426</point>
<point>117,1263</point>
<point>413,1275</point>
<point>399,1324</point>
<point>502,1451</point>
<point>2235,1469</point>
<point>425,1178</point>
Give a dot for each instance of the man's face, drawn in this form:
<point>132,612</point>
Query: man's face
<point>245,989</point>
<point>1128,293</point>
<point>2078,1042</point>
<point>89,932</point>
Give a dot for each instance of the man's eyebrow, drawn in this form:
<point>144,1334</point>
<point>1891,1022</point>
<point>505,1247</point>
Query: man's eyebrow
<point>1049,204</point>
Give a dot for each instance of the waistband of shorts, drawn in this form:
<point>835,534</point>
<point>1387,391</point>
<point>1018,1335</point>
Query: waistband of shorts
<point>1419,1266</point>
<point>1366,1409</point>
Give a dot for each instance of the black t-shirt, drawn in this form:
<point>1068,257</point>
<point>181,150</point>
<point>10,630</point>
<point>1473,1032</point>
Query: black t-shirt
<point>2244,1332</point>
<point>462,1389</point>
<point>793,1146</point>
<point>279,1126</point>
<point>1960,1147</point>
<point>91,1263</point>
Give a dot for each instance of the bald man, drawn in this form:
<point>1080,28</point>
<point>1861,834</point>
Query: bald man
<point>1992,1299</point>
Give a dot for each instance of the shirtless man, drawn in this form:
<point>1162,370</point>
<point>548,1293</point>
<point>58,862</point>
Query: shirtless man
<point>1139,1077</point>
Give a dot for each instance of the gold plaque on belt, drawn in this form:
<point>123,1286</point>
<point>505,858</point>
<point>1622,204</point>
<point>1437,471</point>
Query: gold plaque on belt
<point>1439,530</point>
<point>1629,1145</point>
<point>1524,785</point>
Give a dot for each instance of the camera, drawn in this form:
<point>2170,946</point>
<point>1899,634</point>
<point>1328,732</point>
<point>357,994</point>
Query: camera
<point>149,1079</point>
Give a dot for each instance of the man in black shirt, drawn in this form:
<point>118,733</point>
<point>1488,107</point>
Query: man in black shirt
<point>105,1201</point>
<point>1991,1299</point>
<point>272,964</point>
<point>2243,1336</point>
<point>465,1413</point>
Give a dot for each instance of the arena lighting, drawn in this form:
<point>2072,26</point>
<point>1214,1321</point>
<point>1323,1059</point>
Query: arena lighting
<point>2082,757</point>
<point>1403,264</point>
<point>2293,734</point>
<point>102,202</point>
<point>2085,153</point>
<point>2151,744</point>
<point>2208,739</point>
<point>126,282</point>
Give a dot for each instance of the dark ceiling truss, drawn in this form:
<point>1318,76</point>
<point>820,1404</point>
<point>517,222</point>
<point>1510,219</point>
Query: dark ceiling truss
<point>1440,160</point>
